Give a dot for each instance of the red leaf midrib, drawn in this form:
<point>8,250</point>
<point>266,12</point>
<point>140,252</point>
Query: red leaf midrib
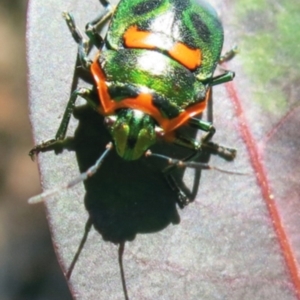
<point>263,183</point>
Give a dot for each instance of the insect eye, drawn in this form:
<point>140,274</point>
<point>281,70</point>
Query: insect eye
<point>110,121</point>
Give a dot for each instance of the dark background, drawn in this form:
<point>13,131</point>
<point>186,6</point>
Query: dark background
<point>28,266</point>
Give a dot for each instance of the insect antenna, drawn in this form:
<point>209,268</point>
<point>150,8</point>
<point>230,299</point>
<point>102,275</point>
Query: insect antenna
<point>82,177</point>
<point>190,164</point>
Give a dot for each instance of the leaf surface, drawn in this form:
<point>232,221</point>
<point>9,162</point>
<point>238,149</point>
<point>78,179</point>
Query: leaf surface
<point>239,239</point>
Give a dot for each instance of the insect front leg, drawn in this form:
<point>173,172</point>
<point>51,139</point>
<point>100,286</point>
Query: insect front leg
<point>185,196</point>
<point>205,144</point>
<point>226,153</point>
<point>52,144</point>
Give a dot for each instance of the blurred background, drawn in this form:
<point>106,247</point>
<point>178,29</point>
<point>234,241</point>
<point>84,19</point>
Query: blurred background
<point>28,266</point>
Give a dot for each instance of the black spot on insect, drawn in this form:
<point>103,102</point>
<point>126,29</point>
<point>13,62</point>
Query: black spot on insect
<point>122,91</point>
<point>180,5</point>
<point>202,29</point>
<point>165,106</point>
<point>146,6</point>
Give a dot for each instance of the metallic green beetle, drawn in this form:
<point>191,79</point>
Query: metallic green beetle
<point>153,73</point>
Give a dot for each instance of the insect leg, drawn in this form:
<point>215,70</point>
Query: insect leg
<point>85,93</point>
<point>182,198</point>
<point>185,195</point>
<point>93,28</point>
<point>213,148</point>
<point>206,145</point>
<point>229,55</point>
<point>83,46</point>
<point>227,75</point>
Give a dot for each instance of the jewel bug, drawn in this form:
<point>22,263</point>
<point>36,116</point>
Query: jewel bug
<point>152,75</point>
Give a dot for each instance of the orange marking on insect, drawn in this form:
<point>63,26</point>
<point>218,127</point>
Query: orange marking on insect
<point>142,102</point>
<point>135,38</point>
<point>190,58</point>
